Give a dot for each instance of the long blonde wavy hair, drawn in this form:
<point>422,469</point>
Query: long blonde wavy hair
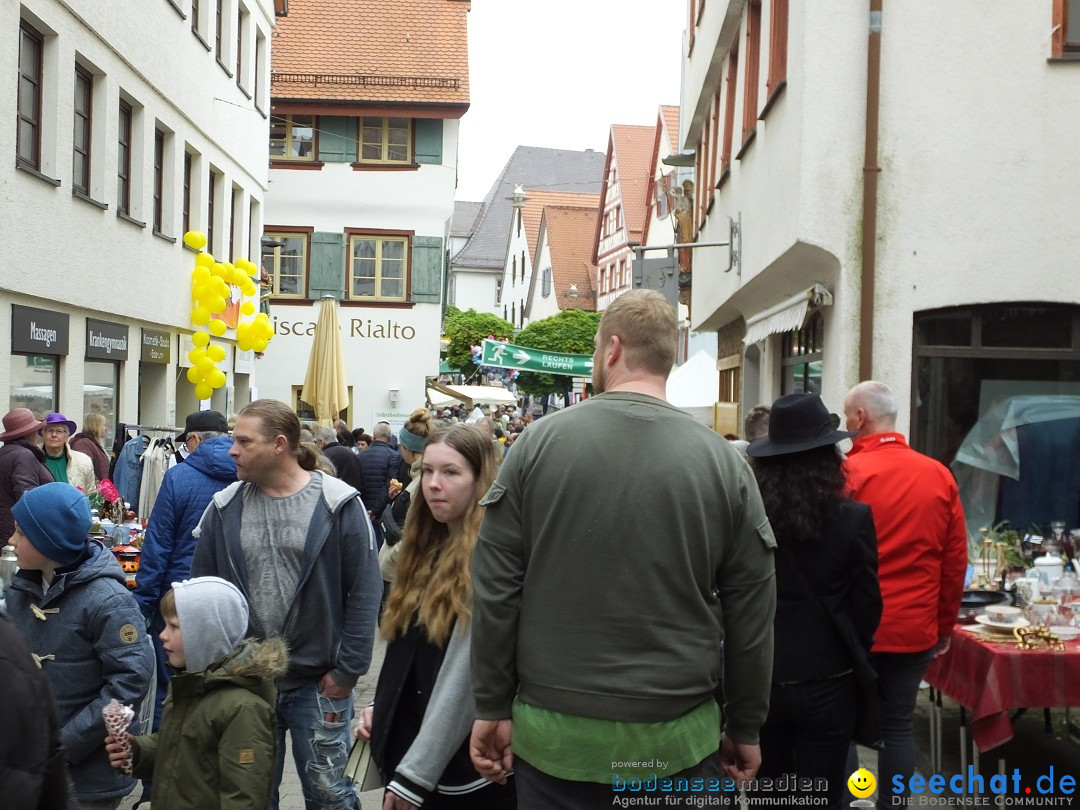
<point>433,583</point>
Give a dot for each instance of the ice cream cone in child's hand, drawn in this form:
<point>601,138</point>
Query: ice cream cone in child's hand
<point>118,744</point>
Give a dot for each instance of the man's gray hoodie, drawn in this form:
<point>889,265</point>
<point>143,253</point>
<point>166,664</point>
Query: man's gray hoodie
<point>330,624</point>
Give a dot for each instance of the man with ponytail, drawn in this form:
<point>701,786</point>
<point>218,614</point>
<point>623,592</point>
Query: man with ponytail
<point>300,547</point>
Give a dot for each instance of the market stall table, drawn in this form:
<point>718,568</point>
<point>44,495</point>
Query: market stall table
<point>990,678</point>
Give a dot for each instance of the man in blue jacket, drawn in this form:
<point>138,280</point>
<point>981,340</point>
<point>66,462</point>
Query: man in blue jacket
<point>168,545</point>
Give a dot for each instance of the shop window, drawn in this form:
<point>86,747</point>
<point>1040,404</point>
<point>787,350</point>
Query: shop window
<point>292,137</point>
<point>801,355</point>
<point>385,140</point>
<point>81,130</point>
<point>123,159</point>
<point>286,263</point>
<point>1003,410</point>
<point>377,266</point>
<point>35,383</point>
<point>100,385</point>
<point>1065,39</point>
<point>28,132</point>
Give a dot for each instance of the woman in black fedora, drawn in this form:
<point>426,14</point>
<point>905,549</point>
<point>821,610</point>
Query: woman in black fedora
<point>828,602</point>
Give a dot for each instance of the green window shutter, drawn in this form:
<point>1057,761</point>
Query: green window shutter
<point>327,265</point>
<point>428,140</point>
<point>427,269</point>
<point>337,139</point>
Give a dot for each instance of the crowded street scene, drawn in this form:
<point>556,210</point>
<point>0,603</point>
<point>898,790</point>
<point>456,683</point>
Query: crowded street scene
<point>477,405</point>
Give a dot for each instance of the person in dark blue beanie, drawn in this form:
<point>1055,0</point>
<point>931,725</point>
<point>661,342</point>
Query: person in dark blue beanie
<point>70,602</point>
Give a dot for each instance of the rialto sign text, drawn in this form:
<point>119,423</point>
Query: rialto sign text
<point>354,328</point>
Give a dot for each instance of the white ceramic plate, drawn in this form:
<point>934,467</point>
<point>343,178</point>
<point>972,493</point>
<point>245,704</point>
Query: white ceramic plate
<point>1065,633</point>
<point>1002,627</point>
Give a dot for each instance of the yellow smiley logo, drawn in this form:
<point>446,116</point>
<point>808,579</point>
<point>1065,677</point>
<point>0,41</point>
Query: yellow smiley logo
<point>861,783</point>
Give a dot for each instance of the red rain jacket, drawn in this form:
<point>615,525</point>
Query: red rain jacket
<point>922,539</point>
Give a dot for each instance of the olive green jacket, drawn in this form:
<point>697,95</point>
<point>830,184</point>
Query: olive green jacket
<point>216,744</point>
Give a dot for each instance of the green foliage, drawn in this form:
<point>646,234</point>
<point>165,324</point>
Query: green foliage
<point>571,332</point>
<point>467,329</point>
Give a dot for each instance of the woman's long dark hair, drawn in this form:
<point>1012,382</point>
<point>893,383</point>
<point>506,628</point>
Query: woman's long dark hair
<point>800,490</point>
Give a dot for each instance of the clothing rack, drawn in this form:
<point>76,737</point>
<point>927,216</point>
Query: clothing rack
<point>151,428</point>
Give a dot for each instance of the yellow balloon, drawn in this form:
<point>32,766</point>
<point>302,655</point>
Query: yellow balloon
<point>200,273</point>
<point>196,240</point>
<point>248,288</point>
<point>215,304</point>
<point>195,355</point>
<point>239,277</point>
<point>206,365</point>
<point>244,344</point>
<point>217,328</point>
<point>203,391</point>
<point>216,353</point>
<point>247,308</point>
<point>204,260</point>
<point>252,269</point>
<point>200,316</point>
<point>217,270</point>
<point>216,378</point>
<point>200,339</point>
<point>259,344</point>
<point>243,330</point>
<point>265,329</point>
<point>202,290</point>
<point>194,376</point>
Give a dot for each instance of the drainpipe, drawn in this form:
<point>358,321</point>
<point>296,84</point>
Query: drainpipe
<point>870,194</point>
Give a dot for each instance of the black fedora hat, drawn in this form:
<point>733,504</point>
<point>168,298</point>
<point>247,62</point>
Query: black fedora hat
<point>798,422</point>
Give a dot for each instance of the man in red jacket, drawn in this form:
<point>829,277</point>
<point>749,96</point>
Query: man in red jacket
<point>922,557</point>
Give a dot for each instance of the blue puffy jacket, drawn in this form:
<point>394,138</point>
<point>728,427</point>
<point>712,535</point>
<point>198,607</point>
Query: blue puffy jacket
<point>89,638</point>
<point>185,492</point>
<point>378,464</point>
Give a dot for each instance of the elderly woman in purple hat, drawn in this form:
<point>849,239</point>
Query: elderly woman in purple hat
<point>828,602</point>
<point>22,464</point>
<point>66,465</point>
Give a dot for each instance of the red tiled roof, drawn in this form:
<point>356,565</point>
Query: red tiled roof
<point>535,203</point>
<point>407,51</point>
<point>570,240</point>
<point>632,147</point>
<point>670,114</point>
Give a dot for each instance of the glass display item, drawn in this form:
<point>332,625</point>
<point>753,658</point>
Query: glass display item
<point>1066,588</point>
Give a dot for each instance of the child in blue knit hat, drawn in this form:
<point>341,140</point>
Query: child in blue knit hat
<point>71,603</point>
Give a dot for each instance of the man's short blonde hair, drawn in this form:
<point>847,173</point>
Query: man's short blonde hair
<point>645,323</point>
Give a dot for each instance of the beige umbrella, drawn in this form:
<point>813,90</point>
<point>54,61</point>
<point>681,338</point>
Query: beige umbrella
<point>324,387</point>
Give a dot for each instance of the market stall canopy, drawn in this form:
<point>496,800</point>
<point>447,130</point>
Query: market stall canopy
<point>440,395</point>
<point>325,389</point>
<point>693,387</point>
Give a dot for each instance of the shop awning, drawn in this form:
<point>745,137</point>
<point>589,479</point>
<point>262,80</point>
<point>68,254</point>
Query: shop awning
<point>470,396</point>
<point>787,315</point>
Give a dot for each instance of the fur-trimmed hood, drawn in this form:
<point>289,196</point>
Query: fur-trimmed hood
<point>266,660</point>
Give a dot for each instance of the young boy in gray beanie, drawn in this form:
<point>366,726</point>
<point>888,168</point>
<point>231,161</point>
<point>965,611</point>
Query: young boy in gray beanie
<point>71,604</point>
<point>217,743</point>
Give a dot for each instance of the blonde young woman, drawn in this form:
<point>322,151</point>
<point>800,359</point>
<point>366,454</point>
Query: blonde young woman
<point>420,722</point>
<point>411,440</point>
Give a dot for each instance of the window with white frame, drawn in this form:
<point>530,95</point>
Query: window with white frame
<point>377,266</point>
<point>292,137</point>
<point>286,263</point>
<point>385,140</point>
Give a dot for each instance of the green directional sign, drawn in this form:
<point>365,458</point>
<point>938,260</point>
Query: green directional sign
<point>507,355</point>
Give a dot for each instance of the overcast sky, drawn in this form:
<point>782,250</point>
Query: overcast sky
<point>559,73</point>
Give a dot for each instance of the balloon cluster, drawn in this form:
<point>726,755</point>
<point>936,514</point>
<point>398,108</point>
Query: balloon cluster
<point>211,281</point>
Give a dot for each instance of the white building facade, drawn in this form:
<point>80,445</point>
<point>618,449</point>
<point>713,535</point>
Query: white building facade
<point>973,222</point>
<point>361,200</point>
<point>127,131</point>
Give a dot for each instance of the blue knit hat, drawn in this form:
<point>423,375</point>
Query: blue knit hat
<point>55,519</point>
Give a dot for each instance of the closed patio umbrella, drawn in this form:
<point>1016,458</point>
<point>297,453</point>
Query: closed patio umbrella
<point>324,387</point>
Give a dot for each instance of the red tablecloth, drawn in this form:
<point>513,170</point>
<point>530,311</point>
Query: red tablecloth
<point>992,679</point>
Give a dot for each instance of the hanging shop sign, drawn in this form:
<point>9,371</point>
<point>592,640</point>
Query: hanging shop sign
<point>106,340</point>
<point>156,346</point>
<point>38,331</point>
